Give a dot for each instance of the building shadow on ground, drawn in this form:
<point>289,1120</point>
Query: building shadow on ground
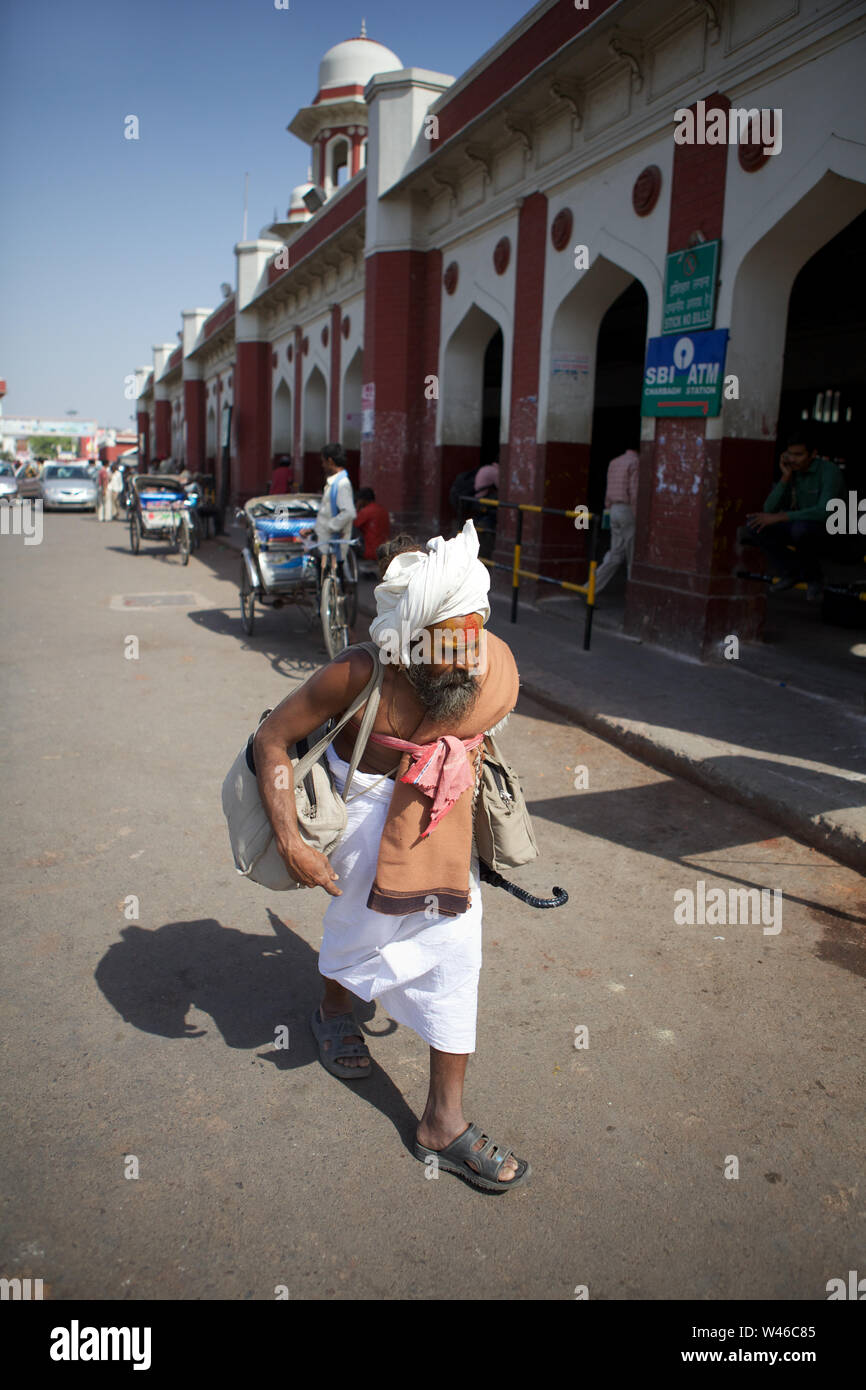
<point>659,819</point>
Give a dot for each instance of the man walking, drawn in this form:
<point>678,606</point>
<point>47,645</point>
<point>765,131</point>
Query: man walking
<point>620,499</point>
<point>404,924</point>
<point>103,504</point>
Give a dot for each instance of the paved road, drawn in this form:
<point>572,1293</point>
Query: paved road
<point>155,1037</point>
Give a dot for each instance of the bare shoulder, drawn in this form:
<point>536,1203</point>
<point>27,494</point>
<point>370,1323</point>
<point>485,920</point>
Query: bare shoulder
<point>349,672</point>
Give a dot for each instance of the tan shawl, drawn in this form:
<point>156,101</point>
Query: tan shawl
<point>411,869</point>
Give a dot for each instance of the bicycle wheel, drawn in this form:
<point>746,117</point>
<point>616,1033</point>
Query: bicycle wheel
<point>183,540</point>
<point>350,572</point>
<point>334,626</point>
<point>134,534</point>
<point>248,602</point>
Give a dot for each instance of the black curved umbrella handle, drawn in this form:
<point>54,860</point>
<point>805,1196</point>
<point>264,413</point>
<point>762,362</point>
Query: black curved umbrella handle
<point>488,875</point>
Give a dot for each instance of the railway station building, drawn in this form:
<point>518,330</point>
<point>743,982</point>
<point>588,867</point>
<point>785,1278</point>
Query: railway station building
<point>482,267</point>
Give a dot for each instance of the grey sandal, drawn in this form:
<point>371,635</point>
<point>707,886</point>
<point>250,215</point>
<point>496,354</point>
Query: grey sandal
<point>331,1030</point>
<point>489,1158</point>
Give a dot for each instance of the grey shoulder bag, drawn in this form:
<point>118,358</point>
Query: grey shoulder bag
<point>321,810</point>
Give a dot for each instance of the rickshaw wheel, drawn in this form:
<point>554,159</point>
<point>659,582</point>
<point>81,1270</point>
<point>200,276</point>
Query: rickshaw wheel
<point>334,627</point>
<point>350,571</point>
<point>134,534</point>
<point>183,541</point>
<point>248,602</point>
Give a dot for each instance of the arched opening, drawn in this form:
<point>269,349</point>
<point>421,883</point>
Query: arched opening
<point>351,437</point>
<point>619,364</point>
<point>281,420</point>
<point>338,164</point>
<point>793,308</point>
<point>211,439</point>
<point>471,398</point>
<point>824,368</point>
<point>822,389</point>
<point>314,426</point>
<point>491,399</point>
<point>597,346</point>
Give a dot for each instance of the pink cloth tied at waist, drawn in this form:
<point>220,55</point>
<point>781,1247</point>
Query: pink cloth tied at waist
<point>441,770</point>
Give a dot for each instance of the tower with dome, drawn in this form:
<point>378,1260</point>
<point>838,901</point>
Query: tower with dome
<point>335,123</point>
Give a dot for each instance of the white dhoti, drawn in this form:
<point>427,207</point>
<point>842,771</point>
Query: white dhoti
<point>424,969</point>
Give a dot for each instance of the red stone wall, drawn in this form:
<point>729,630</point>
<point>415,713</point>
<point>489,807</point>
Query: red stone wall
<point>252,420</point>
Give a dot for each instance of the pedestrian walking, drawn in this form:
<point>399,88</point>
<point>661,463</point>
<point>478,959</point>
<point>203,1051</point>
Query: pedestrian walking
<point>620,499</point>
<point>114,489</point>
<point>103,503</point>
<point>486,484</point>
<point>404,922</point>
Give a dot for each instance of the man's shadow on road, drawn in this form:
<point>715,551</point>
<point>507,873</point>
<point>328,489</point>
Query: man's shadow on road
<point>251,986</point>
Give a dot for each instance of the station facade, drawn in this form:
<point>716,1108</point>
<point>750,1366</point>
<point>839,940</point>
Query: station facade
<point>486,266</point>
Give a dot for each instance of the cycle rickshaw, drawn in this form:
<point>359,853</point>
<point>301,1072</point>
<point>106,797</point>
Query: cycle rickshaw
<point>278,569</point>
<point>160,511</point>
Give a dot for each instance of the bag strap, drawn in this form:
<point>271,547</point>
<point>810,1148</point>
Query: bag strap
<point>370,693</point>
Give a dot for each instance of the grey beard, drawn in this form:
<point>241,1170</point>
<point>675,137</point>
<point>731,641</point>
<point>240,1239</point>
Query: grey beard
<point>449,696</point>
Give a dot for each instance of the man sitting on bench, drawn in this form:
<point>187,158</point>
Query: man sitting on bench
<point>793,525</point>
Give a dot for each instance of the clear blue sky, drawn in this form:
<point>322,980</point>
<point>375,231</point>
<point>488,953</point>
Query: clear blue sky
<point>103,241</point>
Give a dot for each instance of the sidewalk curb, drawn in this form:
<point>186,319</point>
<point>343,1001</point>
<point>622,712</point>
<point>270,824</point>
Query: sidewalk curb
<point>817,832</point>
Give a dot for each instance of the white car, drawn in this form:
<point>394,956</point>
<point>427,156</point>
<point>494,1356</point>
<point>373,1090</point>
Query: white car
<point>65,485</point>
<point>8,483</point>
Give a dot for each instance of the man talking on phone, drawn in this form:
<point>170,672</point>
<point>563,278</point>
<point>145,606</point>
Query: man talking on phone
<point>791,528</point>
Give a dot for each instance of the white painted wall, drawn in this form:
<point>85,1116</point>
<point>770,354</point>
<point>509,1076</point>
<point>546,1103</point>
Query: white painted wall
<point>461,359</point>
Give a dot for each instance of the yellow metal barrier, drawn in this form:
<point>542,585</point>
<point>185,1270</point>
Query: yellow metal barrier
<point>587,589</point>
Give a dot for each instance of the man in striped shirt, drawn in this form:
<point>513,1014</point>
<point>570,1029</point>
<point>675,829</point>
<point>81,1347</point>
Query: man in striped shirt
<point>620,499</point>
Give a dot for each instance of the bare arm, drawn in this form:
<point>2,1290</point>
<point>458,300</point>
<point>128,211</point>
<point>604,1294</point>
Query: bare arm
<point>330,691</point>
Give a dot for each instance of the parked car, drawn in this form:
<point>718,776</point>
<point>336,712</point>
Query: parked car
<point>65,485</point>
<point>8,483</point>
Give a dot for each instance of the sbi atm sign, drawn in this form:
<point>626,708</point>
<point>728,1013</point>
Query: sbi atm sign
<point>684,375</point>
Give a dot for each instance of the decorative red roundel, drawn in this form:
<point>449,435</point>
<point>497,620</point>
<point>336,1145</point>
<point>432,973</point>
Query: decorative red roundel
<point>752,157</point>
<point>290,352</point>
<point>647,187</point>
<point>501,255</point>
<point>450,277</point>
<point>561,227</point>
<point>305,345</point>
<point>347,324</point>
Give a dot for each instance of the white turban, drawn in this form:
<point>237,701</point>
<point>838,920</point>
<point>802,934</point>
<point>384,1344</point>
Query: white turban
<point>421,589</point>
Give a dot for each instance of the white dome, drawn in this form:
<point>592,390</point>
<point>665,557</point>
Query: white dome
<point>354,61</point>
<point>296,201</point>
